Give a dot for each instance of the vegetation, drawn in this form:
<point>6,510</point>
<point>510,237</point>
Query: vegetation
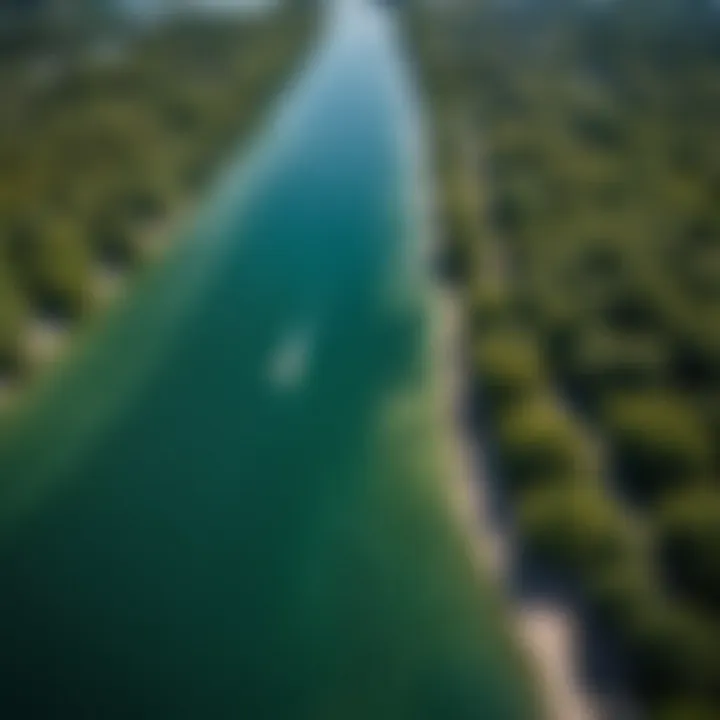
<point>105,135</point>
<point>509,366</point>
<point>587,246</point>
<point>659,441</point>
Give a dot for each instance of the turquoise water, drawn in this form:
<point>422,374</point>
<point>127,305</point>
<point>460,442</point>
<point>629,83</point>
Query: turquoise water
<point>228,502</point>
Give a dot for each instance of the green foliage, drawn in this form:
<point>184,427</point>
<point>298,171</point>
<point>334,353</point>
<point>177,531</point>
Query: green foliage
<point>491,308</point>
<point>112,240</point>
<point>61,272</point>
<point>599,128</point>
<point>689,545</point>
<point>142,204</point>
<point>689,708</point>
<point>540,445</point>
<point>659,442</point>
<point>576,528</point>
<point>622,591</point>
<point>695,361</point>
<point>606,362</point>
<point>514,206</point>
<point>672,653</point>
<point>13,314</point>
<point>508,366</point>
<point>632,308</point>
<point>459,221</point>
<point>20,241</point>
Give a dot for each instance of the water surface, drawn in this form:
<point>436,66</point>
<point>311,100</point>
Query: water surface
<point>228,503</point>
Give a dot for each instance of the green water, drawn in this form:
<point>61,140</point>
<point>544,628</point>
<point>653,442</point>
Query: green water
<point>228,502</point>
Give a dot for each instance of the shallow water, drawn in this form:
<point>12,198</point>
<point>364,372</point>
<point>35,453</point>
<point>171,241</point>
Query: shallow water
<point>228,502</point>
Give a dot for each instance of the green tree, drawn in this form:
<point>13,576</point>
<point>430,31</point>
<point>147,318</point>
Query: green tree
<point>689,545</point>
<point>659,441</point>
<point>61,272</point>
<point>13,316</point>
<point>577,528</point>
<point>540,445</point>
<point>508,366</point>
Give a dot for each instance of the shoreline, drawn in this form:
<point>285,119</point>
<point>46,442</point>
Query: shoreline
<point>545,631</point>
<point>46,341</point>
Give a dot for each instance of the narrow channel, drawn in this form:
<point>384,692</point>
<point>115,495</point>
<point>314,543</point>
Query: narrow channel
<point>227,503</point>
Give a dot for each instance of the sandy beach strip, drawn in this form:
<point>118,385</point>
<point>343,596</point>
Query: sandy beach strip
<point>546,631</point>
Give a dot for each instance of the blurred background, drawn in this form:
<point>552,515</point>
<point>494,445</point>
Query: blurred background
<point>571,151</point>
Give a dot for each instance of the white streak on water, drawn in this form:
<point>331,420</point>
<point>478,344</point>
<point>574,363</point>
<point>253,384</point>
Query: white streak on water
<point>290,361</point>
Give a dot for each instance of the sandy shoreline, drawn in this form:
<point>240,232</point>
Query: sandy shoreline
<point>545,630</point>
<point>46,341</point>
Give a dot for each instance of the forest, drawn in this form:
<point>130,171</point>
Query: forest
<point>107,132</point>
<point>578,170</point>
